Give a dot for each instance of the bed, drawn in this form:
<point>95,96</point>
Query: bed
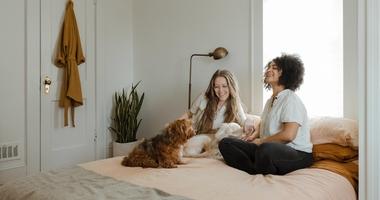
<point>200,178</point>
<point>333,176</point>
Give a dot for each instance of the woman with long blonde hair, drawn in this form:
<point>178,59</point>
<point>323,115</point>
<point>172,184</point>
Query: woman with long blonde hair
<point>219,104</point>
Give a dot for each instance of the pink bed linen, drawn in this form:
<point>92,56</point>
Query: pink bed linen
<point>203,178</point>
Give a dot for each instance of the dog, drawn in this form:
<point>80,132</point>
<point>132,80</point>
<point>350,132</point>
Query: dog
<point>163,150</point>
<point>206,145</point>
<point>227,130</point>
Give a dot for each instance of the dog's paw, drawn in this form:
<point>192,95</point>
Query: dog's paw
<point>168,165</point>
<point>182,162</point>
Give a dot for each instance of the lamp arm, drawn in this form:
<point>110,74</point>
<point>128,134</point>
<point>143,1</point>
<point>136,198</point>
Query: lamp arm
<point>197,54</point>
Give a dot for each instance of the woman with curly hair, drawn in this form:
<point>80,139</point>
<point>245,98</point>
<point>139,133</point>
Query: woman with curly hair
<point>219,104</point>
<point>284,138</point>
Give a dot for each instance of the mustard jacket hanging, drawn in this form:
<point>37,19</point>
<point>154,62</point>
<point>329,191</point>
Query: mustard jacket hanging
<point>69,56</point>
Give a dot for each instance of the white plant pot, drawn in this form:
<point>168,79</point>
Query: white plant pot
<point>123,149</point>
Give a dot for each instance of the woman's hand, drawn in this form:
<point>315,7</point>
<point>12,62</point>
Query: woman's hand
<point>258,141</point>
<point>249,126</point>
<point>249,130</point>
<point>249,137</point>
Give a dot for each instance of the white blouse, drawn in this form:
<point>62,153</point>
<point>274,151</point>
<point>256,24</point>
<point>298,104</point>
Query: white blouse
<point>287,107</point>
<point>199,105</point>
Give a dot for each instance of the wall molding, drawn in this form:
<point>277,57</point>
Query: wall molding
<point>362,96</point>
<point>372,111</point>
<point>101,130</point>
<point>32,66</point>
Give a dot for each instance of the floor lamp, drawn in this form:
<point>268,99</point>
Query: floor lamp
<point>217,54</point>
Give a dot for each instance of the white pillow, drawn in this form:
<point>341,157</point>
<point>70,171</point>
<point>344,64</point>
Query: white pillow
<point>335,130</point>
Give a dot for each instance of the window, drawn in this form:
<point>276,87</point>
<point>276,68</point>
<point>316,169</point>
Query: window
<point>312,29</point>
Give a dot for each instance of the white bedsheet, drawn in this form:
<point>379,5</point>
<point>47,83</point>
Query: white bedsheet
<point>208,179</point>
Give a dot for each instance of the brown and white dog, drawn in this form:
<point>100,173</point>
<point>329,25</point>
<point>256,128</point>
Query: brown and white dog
<point>163,150</point>
<point>206,145</point>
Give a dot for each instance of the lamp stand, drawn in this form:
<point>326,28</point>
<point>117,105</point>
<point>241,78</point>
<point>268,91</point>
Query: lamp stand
<point>191,63</point>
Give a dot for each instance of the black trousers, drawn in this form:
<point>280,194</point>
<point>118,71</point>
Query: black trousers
<point>267,158</point>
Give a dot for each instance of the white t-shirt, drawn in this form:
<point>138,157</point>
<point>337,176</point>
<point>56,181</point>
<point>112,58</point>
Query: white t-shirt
<point>199,105</point>
<point>287,107</point>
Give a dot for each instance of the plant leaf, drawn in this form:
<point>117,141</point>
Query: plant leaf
<point>125,110</point>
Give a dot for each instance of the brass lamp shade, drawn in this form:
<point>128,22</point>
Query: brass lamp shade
<point>217,54</point>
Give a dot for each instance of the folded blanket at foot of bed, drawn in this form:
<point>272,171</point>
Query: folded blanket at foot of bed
<point>339,159</point>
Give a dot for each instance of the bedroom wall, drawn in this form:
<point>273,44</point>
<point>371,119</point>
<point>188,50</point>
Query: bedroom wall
<point>350,59</point>
<point>13,88</point>
<point>166,33</point>
<point>116,51</point>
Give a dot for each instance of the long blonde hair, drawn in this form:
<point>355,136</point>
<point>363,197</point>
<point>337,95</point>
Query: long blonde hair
<point>206,122</point>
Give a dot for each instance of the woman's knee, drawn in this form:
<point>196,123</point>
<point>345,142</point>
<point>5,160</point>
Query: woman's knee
<point>266,152</point>
<point>266,149</point>
<point>224,143</point>
<point>277,151</point>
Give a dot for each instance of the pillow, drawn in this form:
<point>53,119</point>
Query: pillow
<point>334,130</point>
<point>334,152</point>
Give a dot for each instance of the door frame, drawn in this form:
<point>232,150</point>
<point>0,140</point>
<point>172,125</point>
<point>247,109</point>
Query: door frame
<point>34,87</point>
<point>33,61</point>
<point>100,112</point>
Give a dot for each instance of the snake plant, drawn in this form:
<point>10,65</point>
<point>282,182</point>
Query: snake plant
<point>126,108</point>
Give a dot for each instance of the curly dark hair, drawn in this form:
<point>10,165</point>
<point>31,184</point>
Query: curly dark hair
<point>292,71</point>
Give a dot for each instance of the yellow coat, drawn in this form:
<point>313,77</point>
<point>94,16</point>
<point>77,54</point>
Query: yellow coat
<point>69,56</point>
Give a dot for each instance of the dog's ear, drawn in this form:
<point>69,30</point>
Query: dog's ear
<point>172,127</point>
<point>169,129</point>
<point>179,126</point>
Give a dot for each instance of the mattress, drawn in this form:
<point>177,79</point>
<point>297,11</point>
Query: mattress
<point>207,179</point>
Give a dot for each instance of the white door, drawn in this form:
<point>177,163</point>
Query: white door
<point>66,146</point>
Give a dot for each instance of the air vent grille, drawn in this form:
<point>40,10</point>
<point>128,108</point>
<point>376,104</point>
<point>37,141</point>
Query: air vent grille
<point>9,151</point>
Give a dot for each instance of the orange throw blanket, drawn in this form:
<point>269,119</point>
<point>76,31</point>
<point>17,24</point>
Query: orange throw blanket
<point>338,159</point>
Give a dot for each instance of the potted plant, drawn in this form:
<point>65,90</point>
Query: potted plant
<point>125,122</point>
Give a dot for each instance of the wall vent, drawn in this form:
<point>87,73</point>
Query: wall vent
<point>9,151</point>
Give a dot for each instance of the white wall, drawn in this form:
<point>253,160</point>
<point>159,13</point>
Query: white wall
<point>350,59</point>
<point>117,50</point>
<point>13,85</point>
<point>166,33</point>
